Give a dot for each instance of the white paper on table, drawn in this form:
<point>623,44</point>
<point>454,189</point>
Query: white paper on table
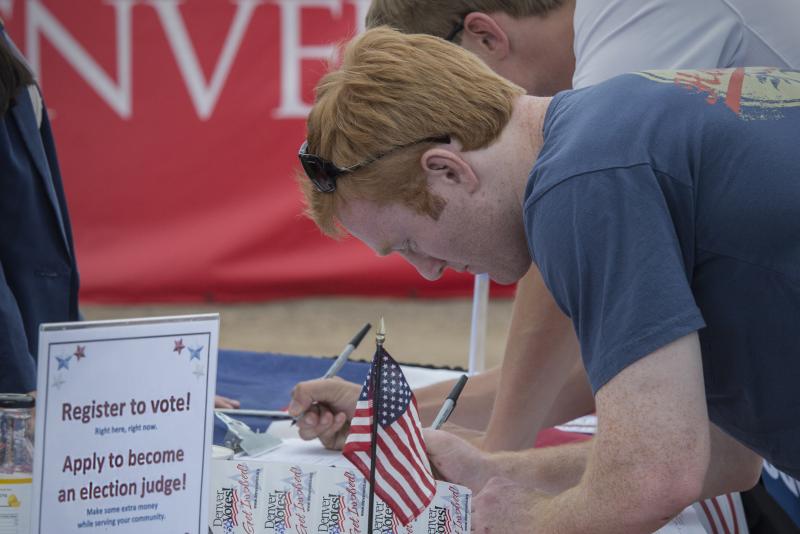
<point>687,522</point>
<point>582,425</point>
<point>283,430</point>
<point>299,451</point>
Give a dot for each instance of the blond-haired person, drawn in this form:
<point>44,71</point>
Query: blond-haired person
<point>546,46</point>
<point>660,207</point>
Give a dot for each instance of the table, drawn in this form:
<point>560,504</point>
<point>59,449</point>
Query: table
<point>264,380</point>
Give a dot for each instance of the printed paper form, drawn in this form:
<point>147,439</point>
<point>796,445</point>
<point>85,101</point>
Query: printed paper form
<point>298,451</point>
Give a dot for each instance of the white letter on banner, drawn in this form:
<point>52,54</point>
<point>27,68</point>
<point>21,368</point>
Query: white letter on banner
<point>362,6</point>
<point>204,96</point>
<point>40,20</point>
<point>293,53</point>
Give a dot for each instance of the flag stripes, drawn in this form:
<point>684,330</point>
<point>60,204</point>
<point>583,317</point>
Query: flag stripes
<point>403,478</point>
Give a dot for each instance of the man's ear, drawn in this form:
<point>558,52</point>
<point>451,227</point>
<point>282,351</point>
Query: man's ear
<point>483,36</point>
<point>445,168</point>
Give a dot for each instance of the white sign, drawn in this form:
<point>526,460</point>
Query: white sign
<point>124,424</point>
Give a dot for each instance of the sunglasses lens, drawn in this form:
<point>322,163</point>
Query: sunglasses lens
<point>325,184</point>
<point>318,173</point>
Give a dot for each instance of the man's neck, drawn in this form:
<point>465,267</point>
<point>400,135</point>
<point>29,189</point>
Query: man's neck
<point>524,137</point>
<point>543,47</point>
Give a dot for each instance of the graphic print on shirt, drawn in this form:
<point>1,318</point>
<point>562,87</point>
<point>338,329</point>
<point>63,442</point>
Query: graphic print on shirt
<point>753,93</point>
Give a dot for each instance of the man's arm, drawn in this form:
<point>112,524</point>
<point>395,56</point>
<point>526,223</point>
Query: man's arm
<point>733,466</point>
<point>649,460</point>
<point>652,449</point>
<point>474,406</point>
<point>574,400</point>
<point>541,356</point>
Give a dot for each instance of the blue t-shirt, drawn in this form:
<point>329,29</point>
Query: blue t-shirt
<point>668,202</point>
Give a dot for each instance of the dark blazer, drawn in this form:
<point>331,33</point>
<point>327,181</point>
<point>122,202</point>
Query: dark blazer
<point>38,273</point>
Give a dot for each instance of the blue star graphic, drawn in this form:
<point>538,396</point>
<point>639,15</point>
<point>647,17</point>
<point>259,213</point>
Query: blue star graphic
<point>194,354</point>
<point>63,363</point>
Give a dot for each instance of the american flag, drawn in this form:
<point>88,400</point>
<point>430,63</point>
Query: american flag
<point>403,478</point>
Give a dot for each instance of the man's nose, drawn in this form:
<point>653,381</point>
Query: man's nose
<point>430,268</point>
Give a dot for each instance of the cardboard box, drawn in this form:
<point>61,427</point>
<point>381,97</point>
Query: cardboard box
<point>264,497</point>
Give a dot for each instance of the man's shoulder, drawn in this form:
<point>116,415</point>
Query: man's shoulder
<point>589,130</point>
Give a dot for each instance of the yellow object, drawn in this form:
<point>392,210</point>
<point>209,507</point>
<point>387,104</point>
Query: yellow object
<point>23,480</point>
<point>13,502</point>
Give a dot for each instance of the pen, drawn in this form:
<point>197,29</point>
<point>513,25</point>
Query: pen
<point>274,414</point>
<point>449,403</point>
<point>346,352</point>
<point>340,360</point>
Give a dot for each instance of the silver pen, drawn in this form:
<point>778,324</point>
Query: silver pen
<point>449,403</point>
<point>274,414</point>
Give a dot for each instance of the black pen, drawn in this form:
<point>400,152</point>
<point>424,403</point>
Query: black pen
<point>449,403</point>
<point>340,360</point>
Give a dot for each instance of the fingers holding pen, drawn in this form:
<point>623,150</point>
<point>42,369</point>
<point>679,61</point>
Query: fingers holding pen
<point>336,394</point>
<point>320,422</point>
<point>334,436</point>
<point>323,408</point>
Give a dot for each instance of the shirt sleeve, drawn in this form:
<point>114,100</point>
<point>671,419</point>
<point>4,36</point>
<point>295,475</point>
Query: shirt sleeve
<point>613,37</point>
<point>610,255</point>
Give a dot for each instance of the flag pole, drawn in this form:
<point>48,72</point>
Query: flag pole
<point>380,337</point>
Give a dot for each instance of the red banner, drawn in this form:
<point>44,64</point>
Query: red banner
<point>177,125</point>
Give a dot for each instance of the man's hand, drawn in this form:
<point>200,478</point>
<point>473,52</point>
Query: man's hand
<point>225,402</point>
<point>458,461</point>
<point>473,437</point>
<point>504,506</point>
<point>327,406</point>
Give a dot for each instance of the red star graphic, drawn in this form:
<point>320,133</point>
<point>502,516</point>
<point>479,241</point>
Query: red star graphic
<point>179,346</point>
<point>79,353</point>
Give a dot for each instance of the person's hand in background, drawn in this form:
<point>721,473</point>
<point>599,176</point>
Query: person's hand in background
<point>225,402</point>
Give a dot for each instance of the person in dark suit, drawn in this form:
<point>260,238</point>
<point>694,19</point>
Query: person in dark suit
<point>38,273</point>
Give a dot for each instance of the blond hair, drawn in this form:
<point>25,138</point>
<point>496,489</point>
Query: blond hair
<point>393,90</point>
<point>440,17</point>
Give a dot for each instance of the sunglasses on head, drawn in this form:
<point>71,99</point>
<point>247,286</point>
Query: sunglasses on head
<point>323,173</point>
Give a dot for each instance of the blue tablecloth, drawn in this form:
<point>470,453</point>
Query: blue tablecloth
<point>265,380</point>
